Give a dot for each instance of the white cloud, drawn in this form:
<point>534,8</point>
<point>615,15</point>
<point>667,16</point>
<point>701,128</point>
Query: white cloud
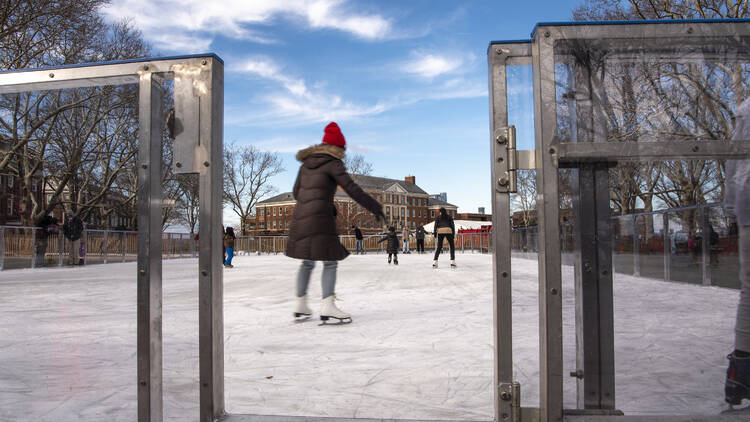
<point>431,65</point>
<point>295,102</point>
<point>163,21</point>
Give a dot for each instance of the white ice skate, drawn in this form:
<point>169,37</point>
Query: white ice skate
<point>301,310</point>
<point>453,263</point>
<point>329,310</point>
<point>434,264</point>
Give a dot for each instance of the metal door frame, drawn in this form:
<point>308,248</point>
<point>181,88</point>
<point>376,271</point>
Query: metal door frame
<point>199,88</point>
<point>594,304</point>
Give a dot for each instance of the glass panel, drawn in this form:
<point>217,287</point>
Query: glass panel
<point>623,261</point>
<point>724,249</point>
<point>520,98</point>
<point>649,90</point>
<point>650,243</point>
<point>686,261</point>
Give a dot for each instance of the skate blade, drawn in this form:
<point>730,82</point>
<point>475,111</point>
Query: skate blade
<point>737,411</point>
<point>340,321</point>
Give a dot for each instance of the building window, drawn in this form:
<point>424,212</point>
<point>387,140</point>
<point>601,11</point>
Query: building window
<point>274,211</point>
<point>432,213</point>
<point>287,224</point>
<point>274,225</point>
<point>10,181</point>
<point>413,213</point>
<point>387,210</point>
<point>403,212</point>
<point>10,203</point>
<point>387,198</point>
<point>262,212</point>
<point>262,225</point>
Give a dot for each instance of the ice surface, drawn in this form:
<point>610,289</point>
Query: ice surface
<point>420,345</point>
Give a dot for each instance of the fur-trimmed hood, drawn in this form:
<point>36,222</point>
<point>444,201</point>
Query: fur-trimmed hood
<point>331,150</point>
<point>324,153</point>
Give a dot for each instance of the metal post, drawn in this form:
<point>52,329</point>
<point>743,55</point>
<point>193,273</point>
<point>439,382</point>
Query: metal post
<point>211,293</point>
<point>60,246</point>
<point>33,247</point>
<point>548,217</point>
<point>2,248</point>
<point>667,247</point>
<point>106,244</point>
<point>122,245</point>
<point>504,395</point>
<point>192,245</point>
<point>706,245</point>
<point>149,292</point>
<point>636,248</point>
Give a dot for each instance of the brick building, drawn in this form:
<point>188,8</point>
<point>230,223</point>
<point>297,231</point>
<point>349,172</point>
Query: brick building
<point>404,204</point>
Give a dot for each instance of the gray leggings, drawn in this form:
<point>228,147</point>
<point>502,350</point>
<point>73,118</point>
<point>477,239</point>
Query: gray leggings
<point>329,277</point>
<point>742,327</point>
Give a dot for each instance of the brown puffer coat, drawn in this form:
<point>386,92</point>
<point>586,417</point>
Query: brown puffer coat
<point>313,234</point>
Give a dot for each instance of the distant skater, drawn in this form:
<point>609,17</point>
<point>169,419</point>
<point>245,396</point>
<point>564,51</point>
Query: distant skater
<point>312,234</point>
<point>405,239</point>
<point>420,238</point>
<point>444,229</point>
<point>229,239</point>
<point>358,237</point>
<point>392,246</point>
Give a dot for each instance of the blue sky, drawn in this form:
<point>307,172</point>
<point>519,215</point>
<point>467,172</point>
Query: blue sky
<point>405,80</point>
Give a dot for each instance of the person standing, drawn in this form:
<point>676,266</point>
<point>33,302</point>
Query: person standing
<point>312,233</point>
<point>46,225</point>
<point>229,238</point>
<point>420,238</point>
<point>73,229</point>
<point>358,236</point>
<point>444,229</point>
<point>737,203</point>
<point>392,246</point>
<point>405,239</point>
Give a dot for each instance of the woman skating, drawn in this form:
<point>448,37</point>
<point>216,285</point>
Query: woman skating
<point>312,234</point>
<point>444,229</point>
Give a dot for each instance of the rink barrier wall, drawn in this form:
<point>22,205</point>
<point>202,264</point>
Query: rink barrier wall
<point>640,246</point>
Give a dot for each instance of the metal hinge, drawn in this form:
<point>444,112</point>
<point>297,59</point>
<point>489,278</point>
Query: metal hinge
<point>511,392</point>
<point>509,159</point>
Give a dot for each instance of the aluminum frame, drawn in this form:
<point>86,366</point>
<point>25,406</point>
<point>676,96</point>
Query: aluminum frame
<point>149,74</point>
<point>594,304</point>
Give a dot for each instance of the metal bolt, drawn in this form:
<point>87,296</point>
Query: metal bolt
<point>690,30</point>
<point>145,67</point>
<point>552,150</point>
<point>204,62</point>
<point>143,383</point>
<point>501,139</point>
<point>204,272</point>
<point>500,159</point>
<point>604,272</point>
<point>547,34</point>
<point>505,416</point>
<point>587,267</point>
<point>51,75</point>
<point>505,274</point>
<point>206,163</point>
<point>144,166</point>
<point>178,165</point>
<point>505,395</point>
<point>553,291</point>
<point>502,181</point>
<point>577,374</point>
<point>696,148</point>
<point>142,271</point>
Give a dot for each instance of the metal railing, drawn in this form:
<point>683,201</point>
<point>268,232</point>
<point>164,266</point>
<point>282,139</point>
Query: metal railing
<point>666,244</point>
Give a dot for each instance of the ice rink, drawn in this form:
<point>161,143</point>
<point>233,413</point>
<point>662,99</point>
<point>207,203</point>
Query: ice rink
<point>420,346</point>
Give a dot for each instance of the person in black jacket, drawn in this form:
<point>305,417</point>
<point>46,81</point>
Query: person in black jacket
<point>73,230</point>
<point>358,236</point>
<point>444,229</point>
<point>420,238</point>
<point>312,233</point>
<point>392,246</point>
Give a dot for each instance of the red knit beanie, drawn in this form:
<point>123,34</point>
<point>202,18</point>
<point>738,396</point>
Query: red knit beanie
<point>334,136</point>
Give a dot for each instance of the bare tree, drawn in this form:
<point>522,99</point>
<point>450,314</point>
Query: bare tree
<point>524,200</point>
<point>80,139</point>
<point>187,204</point>
<point>247,174</point>
<point>356,164</point>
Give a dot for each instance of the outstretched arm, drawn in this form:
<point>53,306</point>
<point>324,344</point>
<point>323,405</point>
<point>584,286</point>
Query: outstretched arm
<point>342,178</point>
